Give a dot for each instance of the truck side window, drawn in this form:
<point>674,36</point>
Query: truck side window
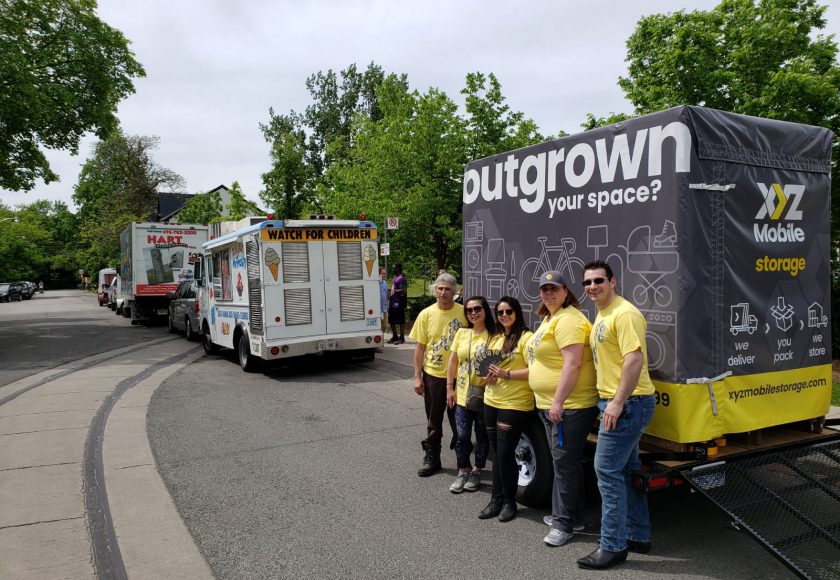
<point>217,281</point>
<point>222,287</point>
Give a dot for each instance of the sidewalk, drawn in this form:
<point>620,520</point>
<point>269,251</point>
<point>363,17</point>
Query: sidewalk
<point>45,425</point>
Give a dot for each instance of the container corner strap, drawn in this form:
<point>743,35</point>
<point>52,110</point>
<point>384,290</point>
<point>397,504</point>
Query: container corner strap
<point>708,382</point>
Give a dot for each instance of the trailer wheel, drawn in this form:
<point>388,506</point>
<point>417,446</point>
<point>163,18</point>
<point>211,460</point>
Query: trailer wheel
<point>536,469</point>
<point>248,362</point>
<point>207,341</point>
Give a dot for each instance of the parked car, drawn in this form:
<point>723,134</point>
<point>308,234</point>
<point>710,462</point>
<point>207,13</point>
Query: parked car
<point>104,279</point>
<point>184,309</point>
<point>27,289</point>
<point>11,291</point>
<point>111,294</point>
<point>115,299</point>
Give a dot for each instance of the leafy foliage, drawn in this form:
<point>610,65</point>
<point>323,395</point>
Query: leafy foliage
<point>759,58</point>
<point>288,184</point>
<point>63,73</point>
<point>204,208</point>
<point>118,184</point>
<point>36,240</point>
<point>370,145</point>
<point>240,207</point>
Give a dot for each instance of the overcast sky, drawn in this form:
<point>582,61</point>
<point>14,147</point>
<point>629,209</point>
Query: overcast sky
<point>214,67</point>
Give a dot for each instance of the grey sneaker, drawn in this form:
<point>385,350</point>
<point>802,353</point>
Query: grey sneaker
<point>459,483</point>
<point>473,481</point>
<point>549,521</point>
<point>557,537</point>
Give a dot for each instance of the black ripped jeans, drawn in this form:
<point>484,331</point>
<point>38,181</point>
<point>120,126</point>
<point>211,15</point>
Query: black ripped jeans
<point>503,442</point>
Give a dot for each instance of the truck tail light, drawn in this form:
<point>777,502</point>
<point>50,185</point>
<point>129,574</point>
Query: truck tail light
<point>377,339</point>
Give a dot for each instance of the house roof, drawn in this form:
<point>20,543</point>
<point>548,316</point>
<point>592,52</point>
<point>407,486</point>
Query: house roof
<point>170,203</point>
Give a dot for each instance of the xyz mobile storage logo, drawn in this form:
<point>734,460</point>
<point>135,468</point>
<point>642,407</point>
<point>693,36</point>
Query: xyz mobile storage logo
<point>781,203</point>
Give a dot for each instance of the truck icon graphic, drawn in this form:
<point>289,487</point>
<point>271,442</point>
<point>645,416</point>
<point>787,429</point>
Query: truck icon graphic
<point>740,319</point>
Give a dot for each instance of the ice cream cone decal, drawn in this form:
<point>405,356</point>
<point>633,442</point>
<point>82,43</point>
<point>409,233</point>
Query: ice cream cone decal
<point>369,256</point>
<point>272,260</point>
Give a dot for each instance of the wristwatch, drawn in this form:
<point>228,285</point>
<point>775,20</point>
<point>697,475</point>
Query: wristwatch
<point>508,375</point>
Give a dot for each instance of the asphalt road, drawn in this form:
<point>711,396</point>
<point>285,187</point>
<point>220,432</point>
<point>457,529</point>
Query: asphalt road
<point>311,473</point>
<point>58,327</point>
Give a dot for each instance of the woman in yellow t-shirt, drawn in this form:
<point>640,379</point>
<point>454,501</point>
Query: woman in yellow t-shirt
<point>508,402</point>
<point>562,376</point>
<point>469,346</point>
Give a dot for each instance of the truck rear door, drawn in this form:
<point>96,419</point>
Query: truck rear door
<point>346,301</point>
<point>294,299</point>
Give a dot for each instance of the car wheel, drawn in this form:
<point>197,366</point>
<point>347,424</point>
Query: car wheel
<point>169,325</point>
<point>536,468</point>
<point>247,361</point>
<point>189,329</point>
<point>207,342</point>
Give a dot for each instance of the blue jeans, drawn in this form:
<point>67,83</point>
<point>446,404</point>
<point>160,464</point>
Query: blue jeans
<point>464,422</point>
<point>624,510</point>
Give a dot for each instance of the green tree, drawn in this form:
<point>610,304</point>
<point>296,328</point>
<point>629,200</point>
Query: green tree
<point>55,247</point>
<point>761,58</point>
<point>63,73</point>
<point>118,184</point>
<point>204,208</point>
<point>22,245</point>
<point>492,126</point>
<point>288,185</point>
<point>409,163</point>
<point>240,207</point>
<point>337,101</point>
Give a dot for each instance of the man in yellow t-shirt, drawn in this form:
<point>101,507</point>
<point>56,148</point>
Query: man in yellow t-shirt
<point>626,405</point>
<point>434,330</point>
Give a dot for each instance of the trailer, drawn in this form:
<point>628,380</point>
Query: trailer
<point>154,259</point>
<point>286,288</point>
<point>716,226</point>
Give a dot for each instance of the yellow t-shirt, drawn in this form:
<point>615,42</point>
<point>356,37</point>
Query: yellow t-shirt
<point>619,329</point>
<point>436,328</point>
<point>470,347</point>
<point>545,360</point>
<point>512,394</point>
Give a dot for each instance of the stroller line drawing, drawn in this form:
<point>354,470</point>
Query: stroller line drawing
<point>652,258</point>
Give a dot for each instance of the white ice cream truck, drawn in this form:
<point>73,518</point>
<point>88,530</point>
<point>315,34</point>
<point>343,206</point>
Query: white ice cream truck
<point>284,288</point>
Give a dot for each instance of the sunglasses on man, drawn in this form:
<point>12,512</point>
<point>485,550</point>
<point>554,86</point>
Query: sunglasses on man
<point>596,281</point>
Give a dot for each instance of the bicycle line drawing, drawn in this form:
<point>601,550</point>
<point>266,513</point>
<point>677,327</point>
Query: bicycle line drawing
<point>534,267</point>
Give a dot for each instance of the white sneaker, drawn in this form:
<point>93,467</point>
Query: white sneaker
<point>549,521</point>
<point>473,481</point>
<point>458,485</point>
<point>557,537</point>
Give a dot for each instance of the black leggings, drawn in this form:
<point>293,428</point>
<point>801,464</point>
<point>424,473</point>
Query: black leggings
<point>503,442</point>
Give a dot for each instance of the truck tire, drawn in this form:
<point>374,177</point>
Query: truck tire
<point>248,362</point>
<point>170,326</point>
<point>189,329</point>
<point>536,468</point>
<point>207,340</point>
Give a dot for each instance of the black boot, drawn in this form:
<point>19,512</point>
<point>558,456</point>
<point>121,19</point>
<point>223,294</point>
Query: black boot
<point>431,463</point>
<point>492,509</point>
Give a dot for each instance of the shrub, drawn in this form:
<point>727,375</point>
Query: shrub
<point>416,304</point>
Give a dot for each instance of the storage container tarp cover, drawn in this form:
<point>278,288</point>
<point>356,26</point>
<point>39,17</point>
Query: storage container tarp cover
<point>716,226</point>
